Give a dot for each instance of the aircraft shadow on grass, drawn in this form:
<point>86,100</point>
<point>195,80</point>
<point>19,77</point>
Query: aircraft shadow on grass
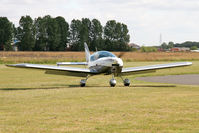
<point>16,89</point>
<point>70,86</point>
<point>77,86</point>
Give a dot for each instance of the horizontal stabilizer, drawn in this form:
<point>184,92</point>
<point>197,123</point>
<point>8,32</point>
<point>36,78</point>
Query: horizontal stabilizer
<point>71,63</point>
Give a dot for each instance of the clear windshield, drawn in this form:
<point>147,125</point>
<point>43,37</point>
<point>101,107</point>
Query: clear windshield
<point>101,54</point>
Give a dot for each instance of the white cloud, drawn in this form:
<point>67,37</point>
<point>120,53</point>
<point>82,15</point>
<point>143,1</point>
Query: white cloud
<point>177,20</point>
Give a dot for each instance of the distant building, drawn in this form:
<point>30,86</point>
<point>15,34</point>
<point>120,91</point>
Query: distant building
<point>133,45</point>
<point>195,50</point>
<point>160,49</point>
<point>179,49</point>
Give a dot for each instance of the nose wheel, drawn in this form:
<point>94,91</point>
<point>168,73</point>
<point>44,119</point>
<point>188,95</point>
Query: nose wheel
<point>112,82</point>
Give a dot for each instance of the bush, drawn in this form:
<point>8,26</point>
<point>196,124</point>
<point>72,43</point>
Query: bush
<point>194,48</point>
<point>148,49</point>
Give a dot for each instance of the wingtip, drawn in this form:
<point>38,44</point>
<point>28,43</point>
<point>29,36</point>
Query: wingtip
<point>189,63</point>
<point>186,63</point>
<point>9,65</point>
<point>16,65</point>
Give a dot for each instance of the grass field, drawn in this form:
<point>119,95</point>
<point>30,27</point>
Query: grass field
<point>33,102</point>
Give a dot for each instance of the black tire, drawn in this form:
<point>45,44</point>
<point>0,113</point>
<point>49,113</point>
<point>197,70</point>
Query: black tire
<point>82,85</point>
<point>112,85</point>
<point>112,82</point>
<point>126,82</point>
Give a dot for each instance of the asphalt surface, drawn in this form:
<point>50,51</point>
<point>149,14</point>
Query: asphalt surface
<point>190,79</point>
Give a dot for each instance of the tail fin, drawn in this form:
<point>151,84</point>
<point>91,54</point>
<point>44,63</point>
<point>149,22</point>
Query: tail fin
<point>87,52</point>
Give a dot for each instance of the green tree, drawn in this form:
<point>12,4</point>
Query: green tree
<point>188,44</point>
<point>116,36</point>
<point>6,30</point>
<point>53,36</point>
<point>123,37</point>
<point>109,37</point>
<point>75,28</point>
<point>164,46</point>
<point>25,34</point>
<point>85,32</point>
<point>50,33</point>
<point>63,31</point>
<point>41,34</point>
<point>170,45</point>
<point>96,35</point>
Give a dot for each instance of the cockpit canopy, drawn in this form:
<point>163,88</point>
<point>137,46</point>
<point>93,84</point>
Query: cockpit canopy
<point>101,54</point>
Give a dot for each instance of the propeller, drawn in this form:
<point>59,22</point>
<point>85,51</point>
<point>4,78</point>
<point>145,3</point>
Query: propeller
<point>121,54</point>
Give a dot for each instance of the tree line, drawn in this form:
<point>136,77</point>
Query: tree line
<point>188,44</point>
<point>167,46</point>
<point>55,34</point>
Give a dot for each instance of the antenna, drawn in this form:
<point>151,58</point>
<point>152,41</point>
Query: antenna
<point>160,39</point>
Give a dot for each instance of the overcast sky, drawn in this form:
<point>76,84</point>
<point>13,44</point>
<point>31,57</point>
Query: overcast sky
<point>176,20</point>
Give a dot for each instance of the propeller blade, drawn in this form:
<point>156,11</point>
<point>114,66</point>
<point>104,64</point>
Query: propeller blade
<point>121,54</point>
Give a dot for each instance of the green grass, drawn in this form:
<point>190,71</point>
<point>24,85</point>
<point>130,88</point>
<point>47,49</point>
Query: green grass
<point>31,101</point>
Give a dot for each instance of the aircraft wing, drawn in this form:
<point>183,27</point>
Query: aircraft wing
<point>58,70</point>
<point>71,63</point>
<point>152,68</point>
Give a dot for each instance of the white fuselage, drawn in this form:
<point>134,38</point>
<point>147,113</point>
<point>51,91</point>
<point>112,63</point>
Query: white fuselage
<point>106,62</point>
<point>106,65</point>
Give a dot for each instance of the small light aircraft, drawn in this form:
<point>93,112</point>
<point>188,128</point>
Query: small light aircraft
<point>100,62</point>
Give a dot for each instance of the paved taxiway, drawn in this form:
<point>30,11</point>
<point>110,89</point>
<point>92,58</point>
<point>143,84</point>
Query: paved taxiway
<point>190,79</point>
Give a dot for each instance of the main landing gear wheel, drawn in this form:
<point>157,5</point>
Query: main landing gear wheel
<point>83,81</point>
<point>126,82</point>
<point>112,82</point>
